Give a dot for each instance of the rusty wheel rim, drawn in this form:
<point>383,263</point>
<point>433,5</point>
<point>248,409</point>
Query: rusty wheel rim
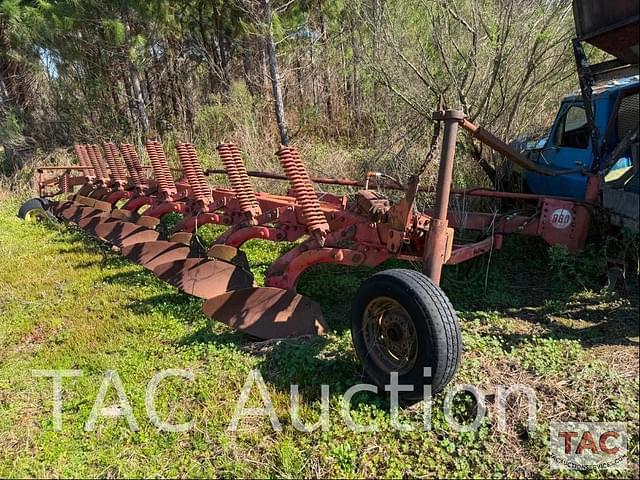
<point>390,335</point>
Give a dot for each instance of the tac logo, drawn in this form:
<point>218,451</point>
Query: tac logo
<point>561,218</point>
<point>584,446</point>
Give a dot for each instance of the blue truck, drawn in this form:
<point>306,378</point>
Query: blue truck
<point>595,132</point>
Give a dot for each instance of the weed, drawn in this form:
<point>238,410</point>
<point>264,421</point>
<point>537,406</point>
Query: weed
<point>69,302</point>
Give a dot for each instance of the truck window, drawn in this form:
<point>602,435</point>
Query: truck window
<point>573,131</point>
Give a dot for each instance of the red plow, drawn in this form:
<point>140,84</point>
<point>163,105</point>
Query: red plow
<point>401,320</point>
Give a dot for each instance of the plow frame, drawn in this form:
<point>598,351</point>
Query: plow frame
<point>125,206</point>
<point>405,234</point>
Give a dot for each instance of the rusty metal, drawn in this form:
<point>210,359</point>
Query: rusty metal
<point>95,157</point>
<point>373,204</point>
<point>132,162</point>
<point>435,250</point>
<point>237,174</point>
<point>118,174</point>
<point>161,169</point>
<point>304,192</point>
<point>267,313</point>
<point>81,168</point>
<point>65,183</point>
<point>229,254</point>
<point>155,253</point>
<point>204,278</point>
<point>509,153</point>
<point>121,214</point>
<point>334,229</point>
<point>147,221</point>
<point>74,212</point>
<point>83,158</point>
<point>193,172</point>
<point>181,237</point>
<point>91,222</point>
<point>121,233</point>
<point>345,182</point>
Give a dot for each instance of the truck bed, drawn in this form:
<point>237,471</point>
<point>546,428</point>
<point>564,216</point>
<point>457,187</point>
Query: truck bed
<point>611,26</point>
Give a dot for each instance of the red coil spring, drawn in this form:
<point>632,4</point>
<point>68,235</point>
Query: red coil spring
<point>97,161</point>
<point>194,173</point>
<point>65,187</point>
<point>202,179</point>
<point>83,158</point>
<point>160,167</point>
<point>117,171</point>
<point>188,170</point>
<point>304,191</point>
<point>237,173</point>
<point>133,164</point>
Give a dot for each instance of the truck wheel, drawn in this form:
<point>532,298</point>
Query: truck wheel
<point>33,210</point>
<point>403,322</point>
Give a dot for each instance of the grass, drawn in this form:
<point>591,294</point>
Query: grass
<point>69,302</point>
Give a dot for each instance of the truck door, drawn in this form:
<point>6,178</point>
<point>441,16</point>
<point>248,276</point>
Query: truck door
<point>568,148</point>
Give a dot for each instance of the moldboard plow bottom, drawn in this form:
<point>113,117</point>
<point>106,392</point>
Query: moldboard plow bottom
<point>153,254</point>
<point>204,278</point>
<point>122,234</point>
<point>265,312</point>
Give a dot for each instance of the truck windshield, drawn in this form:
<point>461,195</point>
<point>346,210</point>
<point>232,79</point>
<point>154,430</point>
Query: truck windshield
<point>572,130</point>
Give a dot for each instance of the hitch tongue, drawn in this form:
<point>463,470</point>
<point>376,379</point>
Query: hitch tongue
<point>267,312</point>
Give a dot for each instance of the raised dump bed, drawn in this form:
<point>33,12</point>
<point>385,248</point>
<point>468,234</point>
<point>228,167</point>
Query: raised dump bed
<point>611,26</point>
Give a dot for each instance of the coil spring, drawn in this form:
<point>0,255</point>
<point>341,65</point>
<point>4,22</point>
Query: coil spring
<point>191,171</point>
<point>113,160</point>
<point>83,158</point>
<point>65,187</point>
<point>304,191</point>
<point>202,179</point>
<point>133,164</point>
<point>238,177</point>
<point>98,162</point>
<point>160,167</point>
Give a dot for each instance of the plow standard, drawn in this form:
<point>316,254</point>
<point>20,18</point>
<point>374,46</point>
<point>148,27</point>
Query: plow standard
<point>401,320</point>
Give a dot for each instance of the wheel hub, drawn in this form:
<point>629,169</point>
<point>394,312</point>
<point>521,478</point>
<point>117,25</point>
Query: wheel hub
<point>35,215</point>
<point>390,335</point>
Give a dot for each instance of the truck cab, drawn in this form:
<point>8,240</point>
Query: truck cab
<point>568,144</point>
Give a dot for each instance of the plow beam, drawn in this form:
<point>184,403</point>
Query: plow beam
<point>512,155</point>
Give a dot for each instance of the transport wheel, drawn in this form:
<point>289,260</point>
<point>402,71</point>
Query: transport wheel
<point>403,322</point>
<point>33,210</point>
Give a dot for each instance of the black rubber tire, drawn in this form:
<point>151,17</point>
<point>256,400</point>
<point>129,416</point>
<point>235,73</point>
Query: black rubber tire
<point>33,204</point>
<point>435,322</point>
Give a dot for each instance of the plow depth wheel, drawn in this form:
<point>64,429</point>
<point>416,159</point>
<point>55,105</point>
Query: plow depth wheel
<point>402,322</point>
<point>33,210</point>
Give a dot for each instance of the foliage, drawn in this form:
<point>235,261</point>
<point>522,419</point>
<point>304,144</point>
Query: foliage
<point>363,74</point>
<point>68,301</point>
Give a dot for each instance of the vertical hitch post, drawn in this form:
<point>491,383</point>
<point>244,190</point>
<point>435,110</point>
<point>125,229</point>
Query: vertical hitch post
<point>436,244</point>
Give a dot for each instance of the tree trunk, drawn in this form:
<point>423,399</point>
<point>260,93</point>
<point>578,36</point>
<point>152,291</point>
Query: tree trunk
<point>274,71</point>
<point>136,89</point>
<point>126,83</point>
